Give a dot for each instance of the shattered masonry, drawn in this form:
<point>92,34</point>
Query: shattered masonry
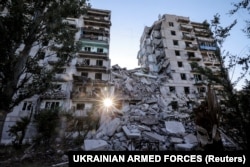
<point>158,98</point>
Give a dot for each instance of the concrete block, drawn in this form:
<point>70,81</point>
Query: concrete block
<point>95,145</point>
<point>174,127</point>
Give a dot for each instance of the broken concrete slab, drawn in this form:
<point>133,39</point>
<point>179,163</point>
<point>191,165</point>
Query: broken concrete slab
<point>149,120</point>
<point>176,140</point>
<point>145,75</point>
<point>145,81</point>
<point>109,126</point>
<point>120,134</point>
<point>174,127</point>
<point>95,145</point>
<point>112,126</point>
<point>162,102</point>
<point>131,134</point>
<point>151,101</point>
<point>143,128</point>
<point>191,139</point>
<point>184,147</point>
<point>154,136</point>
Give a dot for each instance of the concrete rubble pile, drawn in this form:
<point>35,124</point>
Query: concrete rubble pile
<point>145,122</point>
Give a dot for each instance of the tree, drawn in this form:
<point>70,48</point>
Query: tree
<point>243,61</point>
<point>46,122</point>
<point>239,116</point>
<point>28,29</point>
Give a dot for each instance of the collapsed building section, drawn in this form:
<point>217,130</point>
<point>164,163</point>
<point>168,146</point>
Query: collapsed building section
<point>159,98</point>
<point>152,106</point>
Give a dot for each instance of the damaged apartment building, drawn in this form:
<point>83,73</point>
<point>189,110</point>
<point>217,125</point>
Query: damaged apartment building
<point>172,48</point>
<point>77,84</point>
<point>152,104</point>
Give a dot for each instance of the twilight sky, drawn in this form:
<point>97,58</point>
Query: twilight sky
<point>129,17</point>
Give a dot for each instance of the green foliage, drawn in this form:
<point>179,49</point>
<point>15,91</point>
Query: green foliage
<point>27,24</point>
<point>18,130</point>
<point>221,33</point>
<point>46,123</point>
<point>244,99</point>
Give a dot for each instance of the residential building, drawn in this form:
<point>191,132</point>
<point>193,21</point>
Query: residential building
<point>173,47</point>
<point>92,63</point>
<point>77,85</point>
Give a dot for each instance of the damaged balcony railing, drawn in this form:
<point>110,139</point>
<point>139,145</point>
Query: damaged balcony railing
<point>60,94</point>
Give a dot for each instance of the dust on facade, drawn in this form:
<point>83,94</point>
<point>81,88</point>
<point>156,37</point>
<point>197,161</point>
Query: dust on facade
<point>152,104</point>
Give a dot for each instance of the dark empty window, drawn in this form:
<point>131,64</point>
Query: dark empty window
<point>51,105</point>
<point>188,44</point>
<point>175,42</point>
<point>100,50</point>
<point>171,24</point>
<point>173,33</point>
<point>201,89</point>
<point>86,62</point>
<point>183,76</point>
<point>80,106</point>
<point>190,54</point>
<point>174,105</point>
<point>177,53</point>
<point>27,106</point>
<point>98,76</point>
<point>87,49</point>
<point>84,74</point>
<point>180,64</point>
<point>197,77</point>
<point>99,62</point>
<point>186,90</point>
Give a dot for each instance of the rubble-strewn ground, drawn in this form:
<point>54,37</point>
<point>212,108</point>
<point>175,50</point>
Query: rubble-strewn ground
<point>145,122</point>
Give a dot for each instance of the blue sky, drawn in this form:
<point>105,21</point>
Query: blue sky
<point>129,17</point>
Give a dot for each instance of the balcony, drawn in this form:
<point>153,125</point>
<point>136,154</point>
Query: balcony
<point>97,23</point>
<point>95,30</point>
<point>206,47</point>
<point>200,25</point>
<point>188,37</point>
<point>83,67</point>
<point>194,58</point>
<point>202,32</point>
<point>183,19</point>
<point>97,18</point>
<point>55,95</point>
<point>199,82</point>
<point>95,37</point>
<point>209,61</point>
<point>191,46</point>
<point>88,54</point>
<point>186,28</point>
<point>97,12</point>
<point>83,96</point>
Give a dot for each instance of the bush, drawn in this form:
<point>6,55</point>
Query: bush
<point>46,123</point>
